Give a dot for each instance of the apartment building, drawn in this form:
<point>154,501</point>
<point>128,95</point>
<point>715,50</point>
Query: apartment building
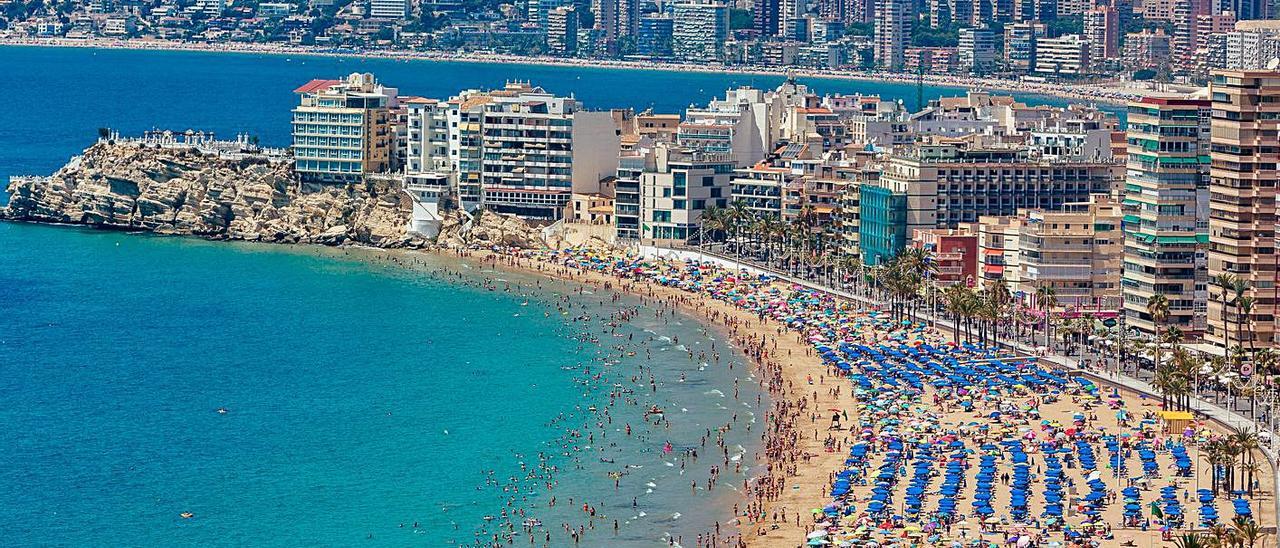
<point>1166,195</point>
<point>1242,203</point>
<point>1066,56</point>
<point>892,33</point>
<point>1074,250</point>
<point>515,150</point>
<point>699,30</point>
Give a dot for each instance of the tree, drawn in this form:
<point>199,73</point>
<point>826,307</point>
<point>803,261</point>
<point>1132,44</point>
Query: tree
<point>1158,309</point>
<point>1247,530</point>
<point>1047,297</point>
<point>741,19</point>
<point>1190,540</point>
<point>1245,439</point>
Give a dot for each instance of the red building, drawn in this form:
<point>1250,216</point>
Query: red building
<point>955,251</point>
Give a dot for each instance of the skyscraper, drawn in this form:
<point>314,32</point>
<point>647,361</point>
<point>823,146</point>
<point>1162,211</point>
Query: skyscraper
<point>977,50</point>
<point>1242,204</point>
<point>1102,29</point>
<point>893,33</point>
<point>562,30</point>
<point>699,30</point>
<point>653,38</point>
<point>1166,195</point>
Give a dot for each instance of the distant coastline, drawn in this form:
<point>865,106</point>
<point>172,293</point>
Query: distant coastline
<point>1105,94</point>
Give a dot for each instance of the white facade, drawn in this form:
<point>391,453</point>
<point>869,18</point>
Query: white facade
<point>518,150</point>
<point>388,9</point>
<point>1066,55</point>
<point>699,31</point>
<point>892,33</point>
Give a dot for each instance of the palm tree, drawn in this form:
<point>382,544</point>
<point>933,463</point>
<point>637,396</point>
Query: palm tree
<point>1247,530</point>
<point>1158,309</point>
<point>714,222</point>
<point>1225,282</point>
<point>1238,290</point>
<point>1190,540</point>
<point>1245,439</point>
<point>1048,299</point>
<point>953,299</point>
<point>1002,298</point>
<point>1186,366</point>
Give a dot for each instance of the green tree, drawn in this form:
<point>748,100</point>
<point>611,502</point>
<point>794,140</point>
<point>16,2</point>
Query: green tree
<point>741,19</point>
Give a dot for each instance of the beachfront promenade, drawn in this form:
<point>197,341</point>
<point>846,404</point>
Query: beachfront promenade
<point>1227,418</point>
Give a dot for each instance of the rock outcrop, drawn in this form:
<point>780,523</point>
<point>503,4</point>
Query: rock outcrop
<point>181,191</point>
<point>488,228</point>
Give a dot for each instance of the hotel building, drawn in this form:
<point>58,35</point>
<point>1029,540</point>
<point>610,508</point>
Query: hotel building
<point>342,129</point>
<point>1242,202</point>
<point>1166,193</point>
<point>948,181</point>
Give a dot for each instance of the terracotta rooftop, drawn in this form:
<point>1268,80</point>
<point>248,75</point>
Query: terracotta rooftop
<point>317,85</point>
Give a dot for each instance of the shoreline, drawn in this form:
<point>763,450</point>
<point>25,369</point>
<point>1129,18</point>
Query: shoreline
<point>1098,94</point>
<point>808,482</point>
<point>713,314</point>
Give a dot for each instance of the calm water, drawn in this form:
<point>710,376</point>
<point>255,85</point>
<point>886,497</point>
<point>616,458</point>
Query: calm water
<point>360,395</point>
<point>57,98</point>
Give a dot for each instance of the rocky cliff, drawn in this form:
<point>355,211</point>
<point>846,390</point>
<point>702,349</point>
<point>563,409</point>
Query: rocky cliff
<point>181,191</point>
<point>487,229</point>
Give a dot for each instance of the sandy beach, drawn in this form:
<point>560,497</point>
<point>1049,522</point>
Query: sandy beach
<point>798,470</point>
<point>1116,93</point>
<point>813,427</point>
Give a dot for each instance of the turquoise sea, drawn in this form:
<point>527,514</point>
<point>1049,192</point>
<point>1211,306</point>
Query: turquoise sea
<point>302,396</point>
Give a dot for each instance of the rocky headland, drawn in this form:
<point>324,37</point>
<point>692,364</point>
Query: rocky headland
<point>131,186</point>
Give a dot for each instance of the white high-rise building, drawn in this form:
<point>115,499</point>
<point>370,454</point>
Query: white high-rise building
<point>388,9</point>
<point>699,31</point>
<point>516,150</point>
<point>893,33</point>
<point>1064,56</point>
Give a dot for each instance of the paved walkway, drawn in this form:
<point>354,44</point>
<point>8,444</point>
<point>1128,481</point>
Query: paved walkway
<point>1210,410</point>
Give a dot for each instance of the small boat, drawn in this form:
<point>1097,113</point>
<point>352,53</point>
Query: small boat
<point>602,459</point>
<point>187,515</point>
<point>655,410</point>
<point>488,518</point>
<point>533,522</point>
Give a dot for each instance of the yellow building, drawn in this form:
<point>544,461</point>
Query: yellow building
<point>1076,251</point>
